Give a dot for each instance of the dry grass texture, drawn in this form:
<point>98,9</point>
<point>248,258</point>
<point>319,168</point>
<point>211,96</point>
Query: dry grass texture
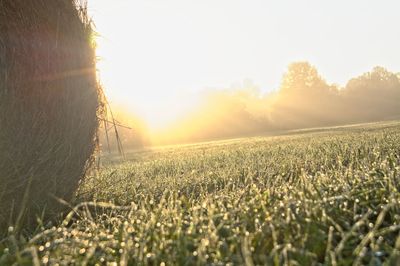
<point>49,104</point>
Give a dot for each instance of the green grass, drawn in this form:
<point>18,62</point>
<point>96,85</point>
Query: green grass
<point>325,197</point>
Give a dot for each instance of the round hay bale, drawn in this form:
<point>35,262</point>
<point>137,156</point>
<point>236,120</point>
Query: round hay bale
<point>49,106</point>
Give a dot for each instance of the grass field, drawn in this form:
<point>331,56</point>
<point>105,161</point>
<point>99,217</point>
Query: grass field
<point>318,197</point>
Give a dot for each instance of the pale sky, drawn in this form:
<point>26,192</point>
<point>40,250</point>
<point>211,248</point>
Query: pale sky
<point>158,55</point>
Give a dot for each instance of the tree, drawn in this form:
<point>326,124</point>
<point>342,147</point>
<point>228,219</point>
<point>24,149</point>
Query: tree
<point>374,95</point>
<point>301,76</point>
<point>305,99</point>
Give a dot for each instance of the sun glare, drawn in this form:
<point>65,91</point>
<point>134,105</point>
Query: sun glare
<point>156,58</point>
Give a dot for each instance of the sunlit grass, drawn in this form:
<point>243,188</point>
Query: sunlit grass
<point>330,197</point>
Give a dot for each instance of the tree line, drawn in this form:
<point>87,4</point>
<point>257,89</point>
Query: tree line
<point>304,99</point>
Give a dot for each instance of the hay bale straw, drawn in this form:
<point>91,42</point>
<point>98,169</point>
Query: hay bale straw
<point>49,106</point>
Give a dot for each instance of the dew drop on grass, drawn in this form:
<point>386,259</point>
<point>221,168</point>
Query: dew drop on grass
<point>370,225</point>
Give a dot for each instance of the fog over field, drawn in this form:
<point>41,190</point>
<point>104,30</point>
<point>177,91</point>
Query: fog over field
<point>303,100</point>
